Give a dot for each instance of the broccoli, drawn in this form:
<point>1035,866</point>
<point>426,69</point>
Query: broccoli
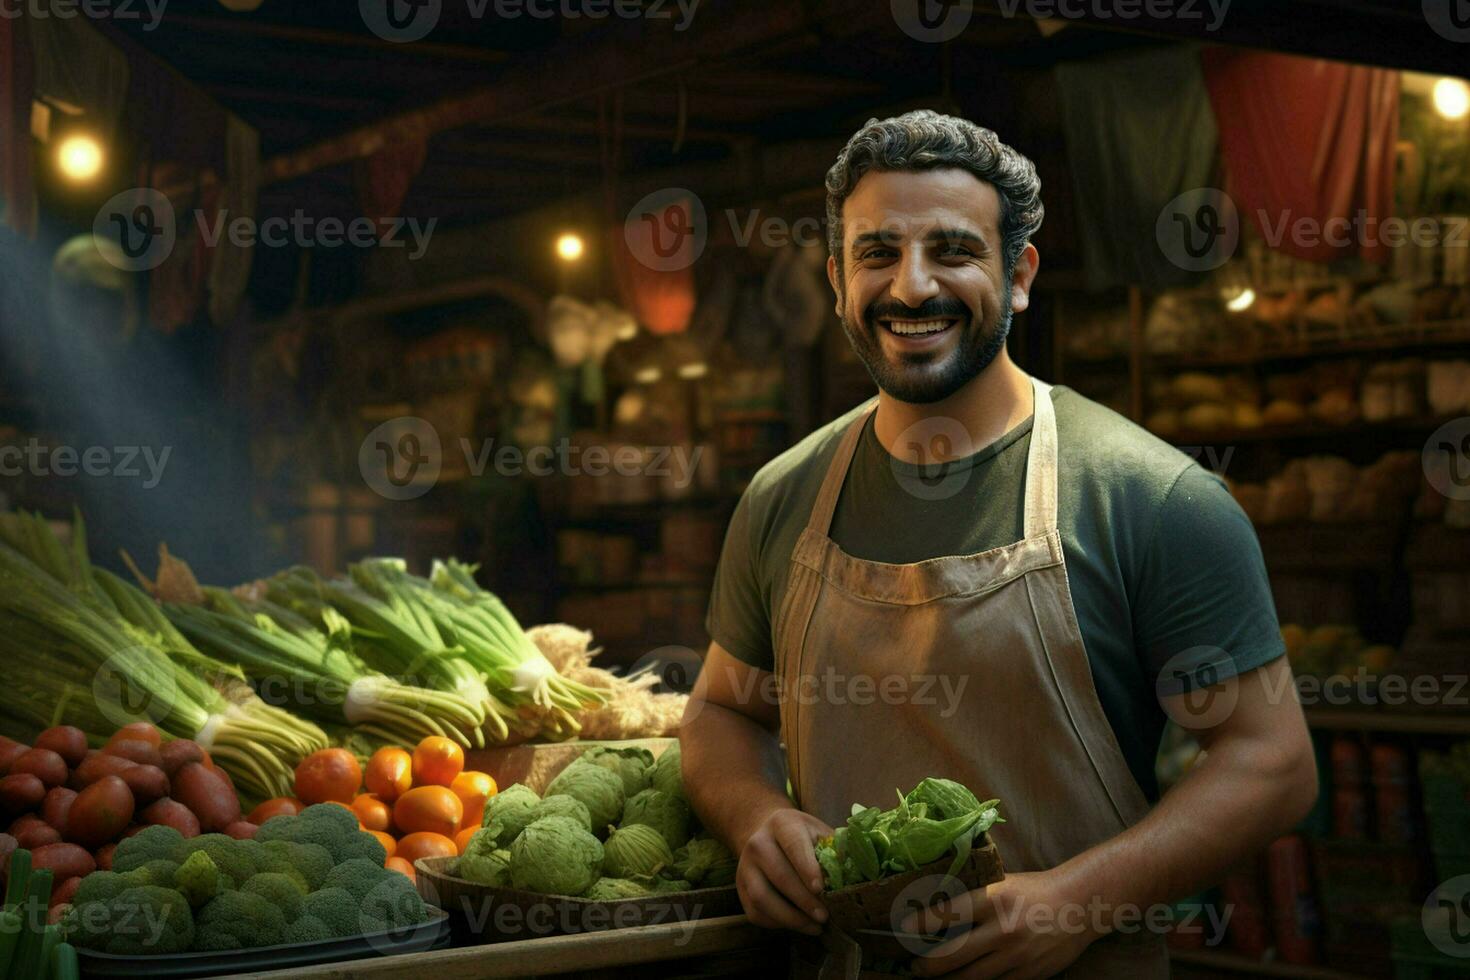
<point>280,890</point>
<point>329,824</point>
<point>308,863</point>
<point>336,909</point>
<point>159,872</point>
<point>149,844</point>
<point>307,929</point>
<point>358,877</point>
<point>100,886</point>
<point>393,903</point>
<point>238,920</point>
<point>235,858</point>
<point>140,921</point>
<point>198,878</point>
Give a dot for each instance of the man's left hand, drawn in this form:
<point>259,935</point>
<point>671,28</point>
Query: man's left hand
<point>1027,925</point>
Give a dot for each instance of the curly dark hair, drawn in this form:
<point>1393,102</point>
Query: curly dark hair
<point>927,140</point>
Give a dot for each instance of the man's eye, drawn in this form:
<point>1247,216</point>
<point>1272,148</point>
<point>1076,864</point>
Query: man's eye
<point>879,252</point>
<point>955,251</point>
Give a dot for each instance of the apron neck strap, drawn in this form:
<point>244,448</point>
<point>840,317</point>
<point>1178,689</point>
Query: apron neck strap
<point>1041,465</point>
<point>1041,468</point>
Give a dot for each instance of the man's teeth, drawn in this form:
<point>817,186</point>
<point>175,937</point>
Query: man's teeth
<point>910,329</point>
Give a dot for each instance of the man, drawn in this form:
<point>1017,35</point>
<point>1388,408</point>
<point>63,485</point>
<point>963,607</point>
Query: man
<point>979,577</point>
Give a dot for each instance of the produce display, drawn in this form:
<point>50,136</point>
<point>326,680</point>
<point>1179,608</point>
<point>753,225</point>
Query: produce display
<point>31,945</point>
<point>613,825</point>
<point>304,877</point>
<point>85,649</point>
<point>70,806</point>
<point>630,708</point>
<point>937,816</point>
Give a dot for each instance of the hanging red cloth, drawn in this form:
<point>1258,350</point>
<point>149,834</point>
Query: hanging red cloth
<point>382,180</point>
<point>17,88</point>
<point>1307,138</point>
<point>653,256</point>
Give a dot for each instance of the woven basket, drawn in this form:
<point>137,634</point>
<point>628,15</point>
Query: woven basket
<point>870,905</point>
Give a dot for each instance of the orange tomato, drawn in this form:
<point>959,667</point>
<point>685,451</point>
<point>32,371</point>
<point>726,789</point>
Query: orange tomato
<point>425,845</point>
<point>328,776</point>
<point>402,867</point>
<point>389,773</point>
<point>428,808</point>
<point>280,806</point>
<point>462,839</point>
<point>389,844</point>
<point>138,731</point>
<point>372,812</point>
<point>436,761</point>
<point>473,789</point>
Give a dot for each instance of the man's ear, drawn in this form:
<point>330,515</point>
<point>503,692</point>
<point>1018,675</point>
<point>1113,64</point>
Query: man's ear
<point>836,284</point>
<point>1023,276</point>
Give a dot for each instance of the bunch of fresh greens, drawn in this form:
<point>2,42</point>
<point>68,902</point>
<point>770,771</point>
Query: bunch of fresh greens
<point>938,815</point>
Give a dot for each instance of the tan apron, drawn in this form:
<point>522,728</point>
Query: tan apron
<point>872,655</point>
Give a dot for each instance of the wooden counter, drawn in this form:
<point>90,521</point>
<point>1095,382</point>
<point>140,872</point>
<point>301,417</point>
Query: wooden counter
<point>732,939</point>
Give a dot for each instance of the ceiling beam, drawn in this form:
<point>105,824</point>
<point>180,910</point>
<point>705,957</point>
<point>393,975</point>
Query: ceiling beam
<point>243,27</point>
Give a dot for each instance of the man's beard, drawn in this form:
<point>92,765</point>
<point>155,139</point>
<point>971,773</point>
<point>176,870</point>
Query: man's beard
<point>920,378</point>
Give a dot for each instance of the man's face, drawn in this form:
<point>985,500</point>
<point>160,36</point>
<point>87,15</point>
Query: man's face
<point>923,294</point>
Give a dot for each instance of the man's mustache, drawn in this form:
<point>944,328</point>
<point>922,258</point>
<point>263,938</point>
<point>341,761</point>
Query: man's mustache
<point>935,309</point>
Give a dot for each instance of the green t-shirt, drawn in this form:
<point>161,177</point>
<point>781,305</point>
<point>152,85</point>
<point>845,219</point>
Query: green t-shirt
<point>1164,567</point>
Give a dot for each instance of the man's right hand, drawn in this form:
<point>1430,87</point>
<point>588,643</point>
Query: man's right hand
<point>779,879</point>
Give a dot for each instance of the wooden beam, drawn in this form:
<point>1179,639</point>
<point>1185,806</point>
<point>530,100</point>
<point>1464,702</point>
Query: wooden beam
<point>250,27</point>
<point>624,53</point>
<point>290,97</point>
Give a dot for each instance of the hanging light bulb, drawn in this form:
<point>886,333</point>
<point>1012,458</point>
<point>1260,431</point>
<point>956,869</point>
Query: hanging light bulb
<point>79,157</point>
<point>1451,98</point>
<point>569,247</point>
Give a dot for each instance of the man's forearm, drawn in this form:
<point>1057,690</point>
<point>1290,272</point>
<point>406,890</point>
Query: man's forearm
<point>1244,794</point>
<point>733,772</point>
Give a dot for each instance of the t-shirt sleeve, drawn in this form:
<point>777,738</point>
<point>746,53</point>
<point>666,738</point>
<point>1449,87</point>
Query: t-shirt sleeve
<point>739,616</point>
<point>1203,611</point>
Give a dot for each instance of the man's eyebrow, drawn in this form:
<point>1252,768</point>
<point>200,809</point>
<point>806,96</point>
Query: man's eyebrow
<point>935,235</point>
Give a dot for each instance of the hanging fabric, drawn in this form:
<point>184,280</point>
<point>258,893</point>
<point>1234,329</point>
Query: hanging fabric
<point>1139,133</point>
<point>76,66</point>
<point>229,273</point>
<point>17,91</point>
<point>1304,138</point>
<point>383,179</point>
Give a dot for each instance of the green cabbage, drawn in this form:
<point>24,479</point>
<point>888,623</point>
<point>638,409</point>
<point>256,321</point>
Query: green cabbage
<point>562,806</point>
<point>599,789</point>
<point>635,850</point>
<point>666,775</point>
<point>615,889</point>
<point>669,815</point>
<point>705,862</point>
<point>555,856</point>
<point>508,812</point>
<point>631,765</point>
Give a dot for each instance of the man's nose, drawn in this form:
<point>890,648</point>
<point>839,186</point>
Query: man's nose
<point>914,281</point>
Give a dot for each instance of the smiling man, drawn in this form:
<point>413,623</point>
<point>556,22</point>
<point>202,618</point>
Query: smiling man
<point>981,577</point>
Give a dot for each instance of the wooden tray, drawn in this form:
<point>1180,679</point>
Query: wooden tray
<point>490,914</point>
<point>870,905</point>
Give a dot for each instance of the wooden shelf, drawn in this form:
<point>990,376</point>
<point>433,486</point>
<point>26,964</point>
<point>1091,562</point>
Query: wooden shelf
<point>1228,962</point>
<point>1307,547</point>
<point>1308,431</point>
<point>1423,336</point>
<point>1365,720</point>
